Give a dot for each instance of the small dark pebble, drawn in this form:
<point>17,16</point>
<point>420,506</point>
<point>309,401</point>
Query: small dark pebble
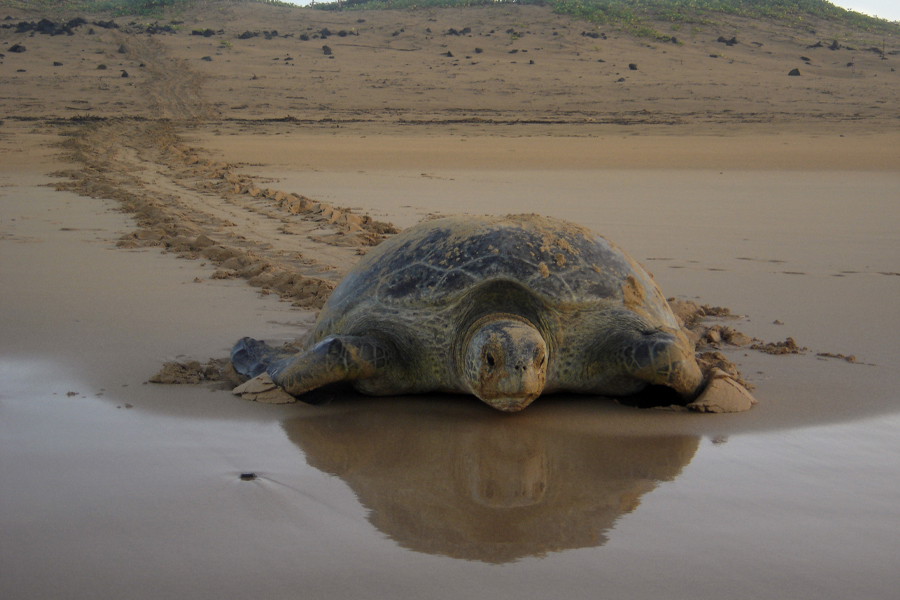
<point>632,66</point>
<point>248,476</point>
<point>124,73</point>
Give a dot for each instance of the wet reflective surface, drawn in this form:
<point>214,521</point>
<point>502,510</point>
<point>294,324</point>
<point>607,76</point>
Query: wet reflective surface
<point>110,488</point>
<point>468,483</point>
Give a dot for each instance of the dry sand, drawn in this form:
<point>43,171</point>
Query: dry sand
<point>735,184</point>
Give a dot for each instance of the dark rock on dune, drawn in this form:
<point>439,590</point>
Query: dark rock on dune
<point>632,66</point>
<point>56,63</point>
<point>805,58</point>
<point>124,74</point>
<point>101,67</point>
<point>449,54</point>
<point>17,48</point>
<point>591,34</point>
<point>304,37</point>
<point>203,32</point>
<point>46,27</point>
<point>123,49</point>
<point>513,51</point>
<point>107,24</point>
<point>326,50</point>
<point>727,42</point>
<point>479,50</point>
<point>834,45</point>
<point>794,73</point>
<point>325,32</point>
<point>206,58</point>
<point>247,35</point>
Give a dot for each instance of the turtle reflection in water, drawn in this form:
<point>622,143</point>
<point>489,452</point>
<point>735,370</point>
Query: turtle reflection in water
<point>505,308</point>
<point>443,478</point>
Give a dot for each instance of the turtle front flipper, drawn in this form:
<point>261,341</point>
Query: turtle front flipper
<point>336,358</point>
<point>250,357</point>
<point>664,358</point>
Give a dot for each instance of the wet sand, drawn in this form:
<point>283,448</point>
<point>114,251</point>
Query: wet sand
<point>117,487</point>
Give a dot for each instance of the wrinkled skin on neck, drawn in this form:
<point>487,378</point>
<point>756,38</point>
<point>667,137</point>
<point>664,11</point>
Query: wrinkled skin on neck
<point>505,362</point>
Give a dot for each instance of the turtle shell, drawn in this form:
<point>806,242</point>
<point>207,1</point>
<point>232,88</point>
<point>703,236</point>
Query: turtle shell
<point>435,264</point>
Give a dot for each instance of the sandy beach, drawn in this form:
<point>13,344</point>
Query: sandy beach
<point>227,183</point>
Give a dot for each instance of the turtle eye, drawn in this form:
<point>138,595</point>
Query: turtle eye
<point>490,359</point>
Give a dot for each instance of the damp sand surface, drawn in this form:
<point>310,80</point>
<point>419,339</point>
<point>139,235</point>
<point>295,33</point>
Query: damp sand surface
<point>134,489</point>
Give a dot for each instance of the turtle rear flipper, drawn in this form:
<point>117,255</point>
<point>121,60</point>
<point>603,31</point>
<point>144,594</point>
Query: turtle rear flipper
<point>336,358</point>
<point>250,357</point>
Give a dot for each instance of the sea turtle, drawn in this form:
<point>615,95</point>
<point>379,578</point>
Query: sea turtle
<point>505,308</point>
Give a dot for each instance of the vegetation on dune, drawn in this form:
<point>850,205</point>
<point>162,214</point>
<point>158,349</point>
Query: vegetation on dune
<point>636,16</point>
<point>153,8</point>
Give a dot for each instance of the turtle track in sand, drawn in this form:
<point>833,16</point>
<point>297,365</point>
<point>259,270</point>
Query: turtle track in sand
<point>192,205</point>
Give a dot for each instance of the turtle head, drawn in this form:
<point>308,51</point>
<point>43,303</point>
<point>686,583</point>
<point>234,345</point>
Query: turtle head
<point>505,362</point>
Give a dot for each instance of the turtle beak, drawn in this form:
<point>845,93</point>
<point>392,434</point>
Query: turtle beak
<point>510,403</point>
